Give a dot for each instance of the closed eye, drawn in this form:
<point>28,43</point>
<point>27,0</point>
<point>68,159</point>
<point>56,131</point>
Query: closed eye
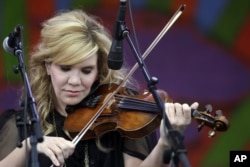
<point>84,70</point>
<point>65,68</point>
<point>87,70</point>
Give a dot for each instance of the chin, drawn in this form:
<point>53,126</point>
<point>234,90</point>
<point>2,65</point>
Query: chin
<point>72,102</point>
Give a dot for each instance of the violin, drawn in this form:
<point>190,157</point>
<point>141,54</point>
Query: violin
<point>112,108</point>
<point>132,116</point>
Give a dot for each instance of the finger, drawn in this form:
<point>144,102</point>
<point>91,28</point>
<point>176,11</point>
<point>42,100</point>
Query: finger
<point>64,151</point>
<point>67,147</point>
<point>178,110</point>
<point>195,105</point>
<point>170,111</point>
<point>58,153</point>
<point>182,111</point>
<point>52,157</point>
<point>50,150</point>
<point>186,113</point>
<point>179,120</point>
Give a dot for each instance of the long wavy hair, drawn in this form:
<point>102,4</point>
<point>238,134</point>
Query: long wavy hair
<point>68,38</point>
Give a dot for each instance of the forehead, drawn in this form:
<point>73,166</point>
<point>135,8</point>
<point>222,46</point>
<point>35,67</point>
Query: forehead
<point>90,61</point>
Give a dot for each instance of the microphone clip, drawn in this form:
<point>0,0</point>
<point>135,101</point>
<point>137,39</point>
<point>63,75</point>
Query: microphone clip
<point>120,25</point>
<point>13,43</point>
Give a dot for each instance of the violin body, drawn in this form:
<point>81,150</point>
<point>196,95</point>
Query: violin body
<point>132,116</point>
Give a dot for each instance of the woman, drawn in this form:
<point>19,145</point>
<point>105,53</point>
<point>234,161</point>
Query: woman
<point>69,64</point>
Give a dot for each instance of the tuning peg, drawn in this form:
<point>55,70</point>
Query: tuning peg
<point>218,113</point>
<point>221,123</point>
<point>208,108</point>
<point>200,126</point>
<point>211,133</point>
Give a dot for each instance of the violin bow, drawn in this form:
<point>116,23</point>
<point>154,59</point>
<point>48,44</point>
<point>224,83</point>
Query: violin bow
<point>146,53</point>
<point>172,20</point>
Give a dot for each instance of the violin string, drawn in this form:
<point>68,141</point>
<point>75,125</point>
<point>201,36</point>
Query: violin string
<point>79,136</point>
<point>135,101</point>
<point>125,102</point>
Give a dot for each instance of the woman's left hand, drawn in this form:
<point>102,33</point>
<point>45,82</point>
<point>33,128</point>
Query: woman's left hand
<point>179,116</point>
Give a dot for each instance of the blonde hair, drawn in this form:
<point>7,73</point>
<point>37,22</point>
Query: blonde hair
<point>68,38</point>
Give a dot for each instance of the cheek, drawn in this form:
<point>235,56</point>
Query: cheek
<point>57,81</point>
<point>88,81</point>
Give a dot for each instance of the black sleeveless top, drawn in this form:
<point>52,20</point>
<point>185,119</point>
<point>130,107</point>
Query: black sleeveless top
<point>87,150</point>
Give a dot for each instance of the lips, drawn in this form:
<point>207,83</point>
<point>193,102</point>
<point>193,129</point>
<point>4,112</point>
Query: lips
<point>73,93</point>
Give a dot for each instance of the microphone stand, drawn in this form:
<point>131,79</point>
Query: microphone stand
<point>178,151</point>
<point>36,132</point>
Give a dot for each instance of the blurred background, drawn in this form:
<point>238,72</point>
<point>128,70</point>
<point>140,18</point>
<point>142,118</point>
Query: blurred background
<point>204,57</point>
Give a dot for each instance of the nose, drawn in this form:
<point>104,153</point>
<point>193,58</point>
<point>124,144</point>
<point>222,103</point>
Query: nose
<point>74,78</point>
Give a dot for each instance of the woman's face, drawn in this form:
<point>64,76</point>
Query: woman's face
<point>72,83</point>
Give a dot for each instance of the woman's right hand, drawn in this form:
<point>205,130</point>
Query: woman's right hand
<point>56,148</point>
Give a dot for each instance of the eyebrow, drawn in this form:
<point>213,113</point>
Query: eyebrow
<point>89,66</point>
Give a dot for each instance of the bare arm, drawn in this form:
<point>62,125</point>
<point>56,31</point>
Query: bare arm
<point>15,158</point>
<point>155,158</point>
<point>56,148</point>
<point>179,117</point>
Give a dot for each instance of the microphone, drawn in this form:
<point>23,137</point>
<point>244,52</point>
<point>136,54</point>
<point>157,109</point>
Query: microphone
<point>10,42</point>
<point>115,57</point>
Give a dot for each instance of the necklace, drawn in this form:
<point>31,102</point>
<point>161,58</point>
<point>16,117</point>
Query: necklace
<point>54,123</point>
<point>86,157</point>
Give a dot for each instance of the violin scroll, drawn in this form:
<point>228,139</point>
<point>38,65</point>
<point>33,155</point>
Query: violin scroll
<point>218,122</point>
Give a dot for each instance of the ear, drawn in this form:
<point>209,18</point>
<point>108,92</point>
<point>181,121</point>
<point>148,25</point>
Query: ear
<point>47,66</point>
